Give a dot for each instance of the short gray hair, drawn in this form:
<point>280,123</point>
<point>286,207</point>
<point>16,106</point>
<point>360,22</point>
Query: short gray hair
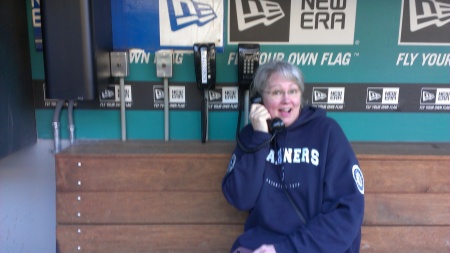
<point>287,70</point>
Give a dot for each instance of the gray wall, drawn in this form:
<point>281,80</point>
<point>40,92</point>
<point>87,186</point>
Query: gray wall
<point>17,118</point>
<point>27,173</point>
<point>27,200</point>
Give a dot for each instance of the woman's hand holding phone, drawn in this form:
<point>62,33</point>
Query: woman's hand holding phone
<point>258,117</point>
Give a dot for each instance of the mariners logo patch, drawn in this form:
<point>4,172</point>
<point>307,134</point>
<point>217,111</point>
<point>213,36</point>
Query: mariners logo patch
<point>358,177</point>
<point>231,164</point>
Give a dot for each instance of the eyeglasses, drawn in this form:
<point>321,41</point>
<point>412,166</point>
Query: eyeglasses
<point>278,94</point>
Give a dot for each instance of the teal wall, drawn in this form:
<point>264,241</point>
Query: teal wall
<point>374,58</point>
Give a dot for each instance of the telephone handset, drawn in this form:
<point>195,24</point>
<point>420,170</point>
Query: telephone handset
<point>248,63</point>
<point>205,73</point>
<point>276,124</point>
<point>205,65</point>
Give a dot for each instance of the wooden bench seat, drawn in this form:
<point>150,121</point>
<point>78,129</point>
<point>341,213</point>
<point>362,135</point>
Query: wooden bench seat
<point>154,196</point>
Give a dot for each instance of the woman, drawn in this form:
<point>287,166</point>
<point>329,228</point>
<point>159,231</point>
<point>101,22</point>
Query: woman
<point>304,191</point>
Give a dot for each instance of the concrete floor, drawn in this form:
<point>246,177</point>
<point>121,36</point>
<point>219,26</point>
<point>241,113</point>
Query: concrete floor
<point>27,200</point>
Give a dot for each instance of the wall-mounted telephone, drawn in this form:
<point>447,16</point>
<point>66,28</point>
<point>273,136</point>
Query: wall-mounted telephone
<point>276,124</point>
<point>205,73</point>
<point>248,63</point>
<point>205,65</point>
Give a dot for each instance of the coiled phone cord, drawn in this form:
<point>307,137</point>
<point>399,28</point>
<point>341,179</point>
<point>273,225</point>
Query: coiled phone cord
<point>204,115</point>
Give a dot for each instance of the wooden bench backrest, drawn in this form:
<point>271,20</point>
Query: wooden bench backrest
<point>166,197</point>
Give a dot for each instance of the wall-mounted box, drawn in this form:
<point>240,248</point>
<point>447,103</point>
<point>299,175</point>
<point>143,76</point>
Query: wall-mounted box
<point>77,39</point>
<point>163,63</point>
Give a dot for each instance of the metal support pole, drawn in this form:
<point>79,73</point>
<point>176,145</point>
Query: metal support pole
<point>70,121</point>
<point>166,109</point>
<point>122,109</point>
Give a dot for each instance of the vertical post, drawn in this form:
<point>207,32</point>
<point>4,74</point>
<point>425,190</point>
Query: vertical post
<point>166,109</point>
<point>123,118</point>
<point>119,68</point>
<point>164,70</point>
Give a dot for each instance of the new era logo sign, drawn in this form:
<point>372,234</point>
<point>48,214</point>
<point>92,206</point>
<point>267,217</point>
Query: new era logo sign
<point>112,92</point>
<point>252,13</point>
<point>435,96</point>
<point>214,95</point>
<point>259,20</point>
<point>332,95</point>
<point>230,95</point>
<point>387,96</point>
<point>320,95</point>
<point>425,22</point>
<point>292,21</point>
<point>374,96</point>
<point>158,94</point>
<point>428,13</point>
<point>188,12</point>
<point>183,23</point>
<point>177,94</point>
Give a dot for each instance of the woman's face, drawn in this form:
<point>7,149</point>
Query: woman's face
<point>282,98</point>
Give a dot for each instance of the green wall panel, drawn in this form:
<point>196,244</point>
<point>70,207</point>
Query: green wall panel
<point>148,125</point>
<point>375,59</point>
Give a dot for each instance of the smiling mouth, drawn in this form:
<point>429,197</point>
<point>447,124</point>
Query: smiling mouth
<point>285,110</point>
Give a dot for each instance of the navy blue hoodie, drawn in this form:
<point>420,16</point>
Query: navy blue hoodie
<point>315,163</point>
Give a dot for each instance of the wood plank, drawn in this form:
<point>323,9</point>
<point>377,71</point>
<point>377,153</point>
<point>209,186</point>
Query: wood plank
<point>407,209</point>
<point>389,239</point>
<point>147,147</point>
<point>218,238</point>
<point>145,208</point>
<point>211,207</point>
<point>406,174</point>
<point>139,173</point>
<point>226,147</point>
<point>147,238</point>
<point>162,173</point>
<point>402,148</point>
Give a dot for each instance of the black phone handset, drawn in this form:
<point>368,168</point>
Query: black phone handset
<point>205,65</point>
<point>275,125</point>
<point>205,73</point>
